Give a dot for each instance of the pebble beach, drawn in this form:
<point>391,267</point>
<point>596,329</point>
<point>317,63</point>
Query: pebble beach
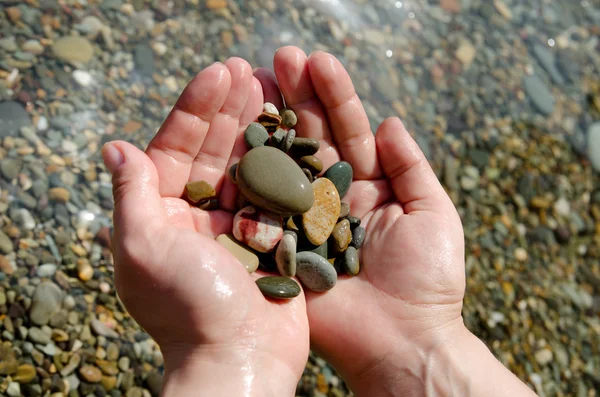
<point>503,97</point>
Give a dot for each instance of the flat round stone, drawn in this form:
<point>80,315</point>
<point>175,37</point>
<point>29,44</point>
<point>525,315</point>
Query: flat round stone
<point>312,163</point>
<point>315,272</point>
<point>255,135</point>
<point>285,256</point>
<point>286,144</point>
<point>73,49</point>
<point>278,287</point>
<point>303,147</point>
<point>259,230</point>
<point>271,180</point>
<point>319,221</point>
<point>341,236</point>
<point>351,263</point>
<point>341,175</point>
<point>243,254</point>
<point>358,237</point>
<point>288,118</point>
<point>199,190</point>
<point>270,108</point>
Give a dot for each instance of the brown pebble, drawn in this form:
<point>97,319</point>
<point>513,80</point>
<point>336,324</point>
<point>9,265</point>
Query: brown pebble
<point>341,235</point>
<point>198,191</point>
<point>59,194</point>
<point>312,163</point>
<point>85,272</point>
<point>14,14</point>
<point>90,374</point>
<point>319,221</point>
<point>270,121</point>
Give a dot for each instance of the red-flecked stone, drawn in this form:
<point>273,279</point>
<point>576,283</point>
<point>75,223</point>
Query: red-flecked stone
<point>257,229</point>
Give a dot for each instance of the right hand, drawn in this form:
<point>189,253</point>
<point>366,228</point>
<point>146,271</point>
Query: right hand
<point>408,297</point>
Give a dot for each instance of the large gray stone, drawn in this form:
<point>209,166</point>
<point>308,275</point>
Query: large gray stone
<point>12,117</point>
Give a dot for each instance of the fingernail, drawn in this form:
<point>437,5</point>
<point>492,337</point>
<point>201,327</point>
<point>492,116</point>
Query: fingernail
<point>112,156</point>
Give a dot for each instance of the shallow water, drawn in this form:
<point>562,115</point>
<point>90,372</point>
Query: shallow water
<point>501,95</point>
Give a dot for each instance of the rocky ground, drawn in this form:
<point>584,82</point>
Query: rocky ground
<point>502,95</point>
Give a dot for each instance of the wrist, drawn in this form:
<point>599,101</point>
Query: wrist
<point>217,371</point>
<point>453,362</point>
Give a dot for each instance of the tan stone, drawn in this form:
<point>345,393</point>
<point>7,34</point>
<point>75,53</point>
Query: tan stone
<point>59,194</point>
<point>243,254</point>
<point>319,221</point>
<point>199,190</point>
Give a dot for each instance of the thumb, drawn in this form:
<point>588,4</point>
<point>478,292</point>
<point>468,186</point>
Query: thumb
<point>135,189</point>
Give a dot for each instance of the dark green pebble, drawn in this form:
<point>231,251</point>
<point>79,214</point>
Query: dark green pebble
<point>321,250</point>
<point>255,135</point>
<point>304,147</point>
<point>344,210</point>
<point>350,261</point>
<point>286,144</point>
<point>341,175</point>
<point>358,237</point>
<point>308,174</point>
<point>277,138</point>
<point>312,163</point>
<point>278,287</point>
<point>354,221</point>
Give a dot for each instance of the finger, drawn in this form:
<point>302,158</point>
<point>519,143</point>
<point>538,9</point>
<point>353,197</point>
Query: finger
<point>138,207</point>
<point>415,185</point>
<point>291,69</point>
<point>347,118</point>
<point>178,141</point>
<point>254,105</point>
<point>211,162</point>
<point>270,88</point>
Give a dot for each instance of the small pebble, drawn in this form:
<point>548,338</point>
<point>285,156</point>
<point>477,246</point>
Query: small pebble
<point>244,255</point>
<point>303,147</point>
<point>199,190</point>
<point>358,237</point>
<point>308,174</point>
<point>344,210</point>
<point>291,233</point>
<point>90,374</point>
<point>315,272</point>
<point>255,135</point>
<point>277,138</point>
<point>288,118</point>
<point>351,264</point>
<point>341,236</point>
<point>354,221</point>
<point>260,230</point>
<point>341,175</point>
<point>286,143</point>
<point>285,256</point>
<point>270,108</point>
<point>312,163</point>
<point>278,287</point>
<point>270,121</point>
<point>319,221</point>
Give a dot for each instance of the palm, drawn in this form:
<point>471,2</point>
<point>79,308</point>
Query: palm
<point>412,267</point>
<point>184,288</point>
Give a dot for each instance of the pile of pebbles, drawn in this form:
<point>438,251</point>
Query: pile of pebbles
<point>291,218</point>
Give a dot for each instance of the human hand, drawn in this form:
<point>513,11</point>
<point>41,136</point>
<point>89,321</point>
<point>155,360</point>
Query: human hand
<point>217,332</point>
<point>396,328</point>
<point>408,296</point>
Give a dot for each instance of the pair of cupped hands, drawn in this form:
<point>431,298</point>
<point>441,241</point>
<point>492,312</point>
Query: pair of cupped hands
<point>219,335</point>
